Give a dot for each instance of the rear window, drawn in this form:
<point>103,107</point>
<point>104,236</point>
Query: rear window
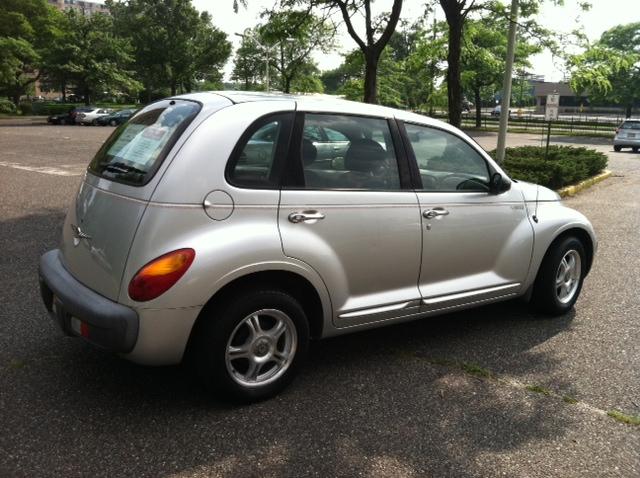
<point>136,149</point>
<point>630,125</point>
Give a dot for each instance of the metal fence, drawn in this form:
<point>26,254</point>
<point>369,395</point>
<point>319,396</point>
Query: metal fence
<point>535,123</point>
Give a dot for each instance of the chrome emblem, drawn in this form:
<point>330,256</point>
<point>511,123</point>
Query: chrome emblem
<point>78,235</point>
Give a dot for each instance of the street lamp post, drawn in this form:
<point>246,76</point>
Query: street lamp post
<point>506,88</point>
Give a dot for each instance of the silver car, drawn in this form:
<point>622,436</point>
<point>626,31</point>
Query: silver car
<point>213,228</point>
<point>628,135</point>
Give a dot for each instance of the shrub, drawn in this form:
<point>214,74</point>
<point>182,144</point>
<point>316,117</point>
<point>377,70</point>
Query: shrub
<point>26,108</point>
<point>7,107</point>
<point>563,165</point>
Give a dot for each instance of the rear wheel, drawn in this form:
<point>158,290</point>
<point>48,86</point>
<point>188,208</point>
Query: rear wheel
<point>251,347</point>
<point>617,148</point>
<point>94,122</point>
<point>560,277</point>
<point>635,149</point>
<point>113,123</point>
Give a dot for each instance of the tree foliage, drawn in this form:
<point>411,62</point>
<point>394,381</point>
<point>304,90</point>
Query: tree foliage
<point>296,33</point>
<point>174,46</point>
<point>609,70</point>
<point>90,56</point>
<point>27,28</point>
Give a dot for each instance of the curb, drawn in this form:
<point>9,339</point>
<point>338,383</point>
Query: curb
<point>582,185</point>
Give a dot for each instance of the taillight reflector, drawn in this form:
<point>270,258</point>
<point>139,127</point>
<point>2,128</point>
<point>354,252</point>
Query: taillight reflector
<point>159,275</point>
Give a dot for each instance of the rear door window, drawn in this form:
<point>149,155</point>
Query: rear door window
<point>136,149</point>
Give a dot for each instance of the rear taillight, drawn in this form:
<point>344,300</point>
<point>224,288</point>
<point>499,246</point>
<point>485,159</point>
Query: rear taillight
<point>159,275</point>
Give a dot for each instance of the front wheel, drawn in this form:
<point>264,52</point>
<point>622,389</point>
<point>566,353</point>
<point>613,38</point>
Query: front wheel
<point>560,277</point>
<point>251,347</point>
<point>635,149</point>
<point>617,148</point>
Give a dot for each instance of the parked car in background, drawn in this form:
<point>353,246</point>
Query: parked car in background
<point>115,118</point>
<point>91,116</point>
<point>70,116</point>
<point>627,135</point>
<point>497,111</point>
<point>228,229</point>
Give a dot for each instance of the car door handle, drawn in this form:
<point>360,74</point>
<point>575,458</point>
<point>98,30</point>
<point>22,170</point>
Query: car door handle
<point>435,212</point>
<point>305,216</point>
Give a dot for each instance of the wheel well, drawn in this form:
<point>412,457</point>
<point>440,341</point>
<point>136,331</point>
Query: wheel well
<point>289,282</point>
<point>584,237</point>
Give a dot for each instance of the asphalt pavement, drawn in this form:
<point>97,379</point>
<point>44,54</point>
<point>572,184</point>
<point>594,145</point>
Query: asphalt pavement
<point>486,392</point>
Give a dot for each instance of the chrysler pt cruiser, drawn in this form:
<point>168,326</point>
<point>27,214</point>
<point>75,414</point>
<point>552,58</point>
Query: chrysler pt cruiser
<point>229,229</point>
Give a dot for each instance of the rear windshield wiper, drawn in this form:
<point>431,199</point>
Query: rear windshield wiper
<point>123,168</point>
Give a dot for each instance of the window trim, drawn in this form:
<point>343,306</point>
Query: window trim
<point>294,171</point>
<point>280,154</point>
<point>413,161</point>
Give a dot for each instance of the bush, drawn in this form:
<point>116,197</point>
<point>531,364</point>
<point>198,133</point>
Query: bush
<point>26,108</point>
<point>7,107</point>
<point>563,166</point>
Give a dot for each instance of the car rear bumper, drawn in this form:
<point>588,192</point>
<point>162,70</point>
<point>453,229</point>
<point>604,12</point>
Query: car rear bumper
<point>79,311</point>
<point>627,142</point>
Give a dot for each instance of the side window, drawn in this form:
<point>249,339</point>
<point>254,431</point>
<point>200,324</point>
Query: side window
<point>254,159</point>
<point>446,162</point>
<point>357,154</point>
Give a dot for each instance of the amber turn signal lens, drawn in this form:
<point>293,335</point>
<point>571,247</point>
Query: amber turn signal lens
<point>159,275</point>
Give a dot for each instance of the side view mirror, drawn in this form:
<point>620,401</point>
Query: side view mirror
<point>499,184</point>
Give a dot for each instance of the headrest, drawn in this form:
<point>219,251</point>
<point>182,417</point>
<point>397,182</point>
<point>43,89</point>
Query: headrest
<point>364,155</point>
<point>309,152</point>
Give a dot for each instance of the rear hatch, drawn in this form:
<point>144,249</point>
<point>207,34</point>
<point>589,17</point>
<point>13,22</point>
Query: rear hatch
<point>101,224</point>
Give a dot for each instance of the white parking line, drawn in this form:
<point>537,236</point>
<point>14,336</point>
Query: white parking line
<point>45,169</point>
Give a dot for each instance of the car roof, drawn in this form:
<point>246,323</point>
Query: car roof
<point>319,103</point>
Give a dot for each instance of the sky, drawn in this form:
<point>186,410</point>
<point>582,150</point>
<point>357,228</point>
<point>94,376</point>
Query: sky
<point>603,15</point>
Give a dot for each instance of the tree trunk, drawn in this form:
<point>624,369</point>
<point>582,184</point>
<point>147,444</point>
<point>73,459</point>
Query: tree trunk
<point>287,84</point>
<point>15,98</point>
<point>87,96</point>
<point>627,110</point>
<point>371,77</point>
<point>478,100</point>
<point>454,85</point>
<point>173,88</point>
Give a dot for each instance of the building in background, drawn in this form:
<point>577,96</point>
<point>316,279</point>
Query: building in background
<point>83,6</point>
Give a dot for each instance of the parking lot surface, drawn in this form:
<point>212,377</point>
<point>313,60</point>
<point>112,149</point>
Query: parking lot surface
<point>486,392</point>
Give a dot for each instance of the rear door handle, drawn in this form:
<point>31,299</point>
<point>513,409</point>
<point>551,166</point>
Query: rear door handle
<point>306,216</point>
<point>435,212</point>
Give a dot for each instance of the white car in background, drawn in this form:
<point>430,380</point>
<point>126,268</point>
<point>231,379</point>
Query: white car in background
<point>91,117</point>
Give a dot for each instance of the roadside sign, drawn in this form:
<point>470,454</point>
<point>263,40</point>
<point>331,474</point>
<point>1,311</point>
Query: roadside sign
<point>551,113</point>
<point>553,100</point>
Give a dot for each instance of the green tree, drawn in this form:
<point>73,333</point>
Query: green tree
<point>175,47</point>
<point>297,34</point>
<point>27,28</point>
<point>457,12</point>
<point>248,65</point>
<point>483,56</point>
<point>371,47</point>
<point>609,70</point>
<point>390,87</point>
<point>90,56</point>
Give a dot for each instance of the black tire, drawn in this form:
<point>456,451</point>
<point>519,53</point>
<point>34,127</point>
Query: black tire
<point>113,123</point>
<point>546,293</point>
<point>227,321</point>
<point>617,148</point>
<point>635,149</point>
<point>94,122</point>
<point>63,121</point>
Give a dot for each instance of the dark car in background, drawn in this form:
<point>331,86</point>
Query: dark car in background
<point>115,118</point>
<point>70,116</point>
